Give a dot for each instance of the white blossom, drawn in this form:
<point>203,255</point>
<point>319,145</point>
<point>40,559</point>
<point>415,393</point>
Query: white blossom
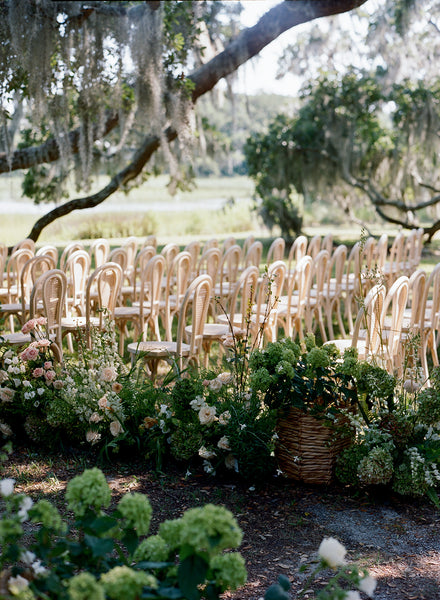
<point>7,487</point>
<point>368,585</point>
<point>332,552</point>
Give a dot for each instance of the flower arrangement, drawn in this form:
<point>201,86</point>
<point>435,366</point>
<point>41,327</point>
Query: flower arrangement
<point>316,380</point>
<point>397,436</point>
<point>29,381</point>
<point>205,419</point>
<point>110,555</point>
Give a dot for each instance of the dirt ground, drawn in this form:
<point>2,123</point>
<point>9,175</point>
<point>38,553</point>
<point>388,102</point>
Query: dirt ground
<point>283,521</point>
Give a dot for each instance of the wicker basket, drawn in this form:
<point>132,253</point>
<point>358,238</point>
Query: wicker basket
<point>307,449</point>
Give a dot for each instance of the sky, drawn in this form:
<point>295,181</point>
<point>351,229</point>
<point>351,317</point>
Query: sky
<point>259,74</point>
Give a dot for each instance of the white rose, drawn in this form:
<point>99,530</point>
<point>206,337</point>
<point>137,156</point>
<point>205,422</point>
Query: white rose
<point>115,428</point>
<point>224,418</point>
<point>5,429</point>
<point>225,378</point>
<point>197,403</point>
<point>332,552</point>
<point>17,584</point>
<point>95,418</point>
<point>215,384</point>
<point>223,443</point>
<point>207,415</point>
<point>7,487</point>
<point>93,437</point>
<point>205,453</point>
<point>368,585</point>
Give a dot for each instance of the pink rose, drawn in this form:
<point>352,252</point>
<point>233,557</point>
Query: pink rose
<point>30,353</point>
<point>29,326</point>
<point>43,343</point>
<point>48,364</point>
<point>41,321</point>
<point>38,372</point>
<point>116,387</point>
<point>50,375</point>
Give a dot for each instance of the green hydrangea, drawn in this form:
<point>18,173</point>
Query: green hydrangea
<point>377,467</point>
<point>318,358</point>
<point>171,531</point>
<point>229,570</point>
<point>123,582</point>
<point>9,529</point>
<point>136,510</point>
<point>90,489</point>
<point>154,549</point>
<point>286,368</point>
<point>85,587</point>
<point>210,528</point>
<point>48,515</point>
<point>428,406</point>
<point>260,379</point>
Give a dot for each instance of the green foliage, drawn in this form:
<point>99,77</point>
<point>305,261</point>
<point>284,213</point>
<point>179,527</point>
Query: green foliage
<point>109,554</point>
<point>351,134</point>
<point>311,378</point>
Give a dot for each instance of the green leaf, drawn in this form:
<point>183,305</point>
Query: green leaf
<point>98,546</point>
<point>276,592</point>
<point>192,572</point>
<point>103,524</point>
<point>284,582</point>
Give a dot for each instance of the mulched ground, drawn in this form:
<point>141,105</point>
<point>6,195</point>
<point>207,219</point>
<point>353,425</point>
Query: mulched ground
<point>283,521</point>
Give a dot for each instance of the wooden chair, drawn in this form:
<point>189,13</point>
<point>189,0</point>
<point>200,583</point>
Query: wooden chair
<point>430,321</point>
<point>276,250</point>
<point>314,308</point>
<point>129,290</point>
<point>178,277</point>
<point>169,252</point>
<point>9,294</point>
<point>327,243</point>
<point>144,311</point>
<point>253,255</point>
<point>31,271</point>
<point>186,349</point>
<point>130,246</point>
<point>332,293</point>
<point>105,282</point>
<point>393,266</point>
<point>99,252</point>
<point>47,299</point>
<point>235,319</point>
<point>77,269</point>
<point>264,318</point>
<point>292,306</point>
<point>27,243</point>
<point>49,250</point>
<point>367,326</point>
<point>314,246</point>
<point>228,272</point>
<point>194,248</point>
<point>297,250</point>
<point>68,250</point>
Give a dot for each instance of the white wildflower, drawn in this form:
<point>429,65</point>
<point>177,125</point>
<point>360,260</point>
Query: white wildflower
<point>7,487</point>
<point>332,552</point>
